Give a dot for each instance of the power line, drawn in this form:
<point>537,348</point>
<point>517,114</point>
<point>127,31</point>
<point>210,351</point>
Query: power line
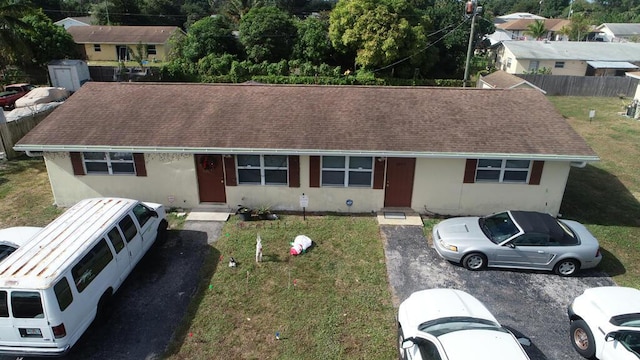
<point>425,48</point>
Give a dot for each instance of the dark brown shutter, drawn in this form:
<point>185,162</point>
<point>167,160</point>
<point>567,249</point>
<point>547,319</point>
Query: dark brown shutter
<point>230,170</point>
<point>536,172</point>
<point>314,171</point>
<point>378,172</point>
<point>294,171</point>
<point>470,171</point>
<point>76,163</point>
<point>141,168</point>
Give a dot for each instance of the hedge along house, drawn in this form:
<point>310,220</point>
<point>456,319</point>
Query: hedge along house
<point>444,150</point>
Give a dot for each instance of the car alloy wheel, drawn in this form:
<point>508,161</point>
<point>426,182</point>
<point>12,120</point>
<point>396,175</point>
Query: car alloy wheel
<point>582,339</point>
<point>567,267</point>
<point>474,261</point>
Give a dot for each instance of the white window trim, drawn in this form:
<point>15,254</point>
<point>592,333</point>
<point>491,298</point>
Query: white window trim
<point>108,161</point>
<point>262,168</point>
<point>503,169</point>
<point>346,171</point>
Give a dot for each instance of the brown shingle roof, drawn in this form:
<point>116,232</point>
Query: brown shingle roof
<point>102,34</point>
<point>417,121</point>
<point>522,24</point>
<point>502,79</point>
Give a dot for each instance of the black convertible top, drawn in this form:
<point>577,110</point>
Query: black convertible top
<point>537,222</point>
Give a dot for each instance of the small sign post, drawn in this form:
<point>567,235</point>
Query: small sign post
<point>304,202</point>
<point>592,114</point>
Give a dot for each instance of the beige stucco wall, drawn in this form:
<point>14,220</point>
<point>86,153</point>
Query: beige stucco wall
<point>173,176</point>
<point>571,67</point>
<point>169,176</point>
<point>439,188</point>
<point>171,180</point>
<point>108,52</point>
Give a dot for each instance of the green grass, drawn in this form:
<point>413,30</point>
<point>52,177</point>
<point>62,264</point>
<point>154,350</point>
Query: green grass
<point>332,302</point>
<point>605,195</point>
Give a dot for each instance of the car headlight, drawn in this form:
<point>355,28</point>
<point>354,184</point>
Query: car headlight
<point>448,246</point>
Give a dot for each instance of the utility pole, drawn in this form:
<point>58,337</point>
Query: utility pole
<point>472,9</point>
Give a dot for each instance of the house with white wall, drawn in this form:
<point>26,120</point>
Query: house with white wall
<point>567,57</point>
<point>354,149</point>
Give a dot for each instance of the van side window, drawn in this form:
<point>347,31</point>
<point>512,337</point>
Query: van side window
<point>128,228</point>
<point>4,306</point>
<point>63,293</point>
<point>142,213</point>
<point>26,305</point>
<point>91,265</point>
<point>116,239</point>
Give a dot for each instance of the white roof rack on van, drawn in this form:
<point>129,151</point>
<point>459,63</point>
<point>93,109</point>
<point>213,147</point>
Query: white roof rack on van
<point>41,261</point>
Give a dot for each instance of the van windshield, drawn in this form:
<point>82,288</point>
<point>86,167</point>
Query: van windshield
<point>26,305</point>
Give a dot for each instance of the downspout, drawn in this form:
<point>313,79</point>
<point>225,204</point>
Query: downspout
<point>34,153</point>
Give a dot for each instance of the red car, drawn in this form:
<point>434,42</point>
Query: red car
<point>12,93</point>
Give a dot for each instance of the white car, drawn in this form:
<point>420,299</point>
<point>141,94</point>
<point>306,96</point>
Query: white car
<point>605,323</point>
<point>449,324</point>
<point>14,237</point>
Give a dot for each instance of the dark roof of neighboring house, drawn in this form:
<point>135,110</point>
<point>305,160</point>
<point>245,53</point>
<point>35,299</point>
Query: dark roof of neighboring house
<point>308,119</point>
<point>102,34</point>
<point>523,24</point>
<point>502,79</point>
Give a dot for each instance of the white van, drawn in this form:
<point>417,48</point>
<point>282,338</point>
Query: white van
<point>53,287</point>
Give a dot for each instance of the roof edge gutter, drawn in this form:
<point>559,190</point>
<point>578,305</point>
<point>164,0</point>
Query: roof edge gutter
<point>35,149</point>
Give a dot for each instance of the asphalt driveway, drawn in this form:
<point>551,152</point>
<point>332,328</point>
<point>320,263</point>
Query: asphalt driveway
<point>533,304</point>
<point>153,300</point>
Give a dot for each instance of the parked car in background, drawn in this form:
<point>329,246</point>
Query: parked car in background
<point>449,324</point>
<point>14,237</point>
<point>605,323</point>
<point>42,95</point>
<point>517,239</point>
<point>12,93</point>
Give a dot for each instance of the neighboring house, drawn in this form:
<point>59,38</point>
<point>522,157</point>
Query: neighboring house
<point>348,148</point>
<point>518,29</point>
<point>619,32</point>
<point>503,80</point>
<point>516,16</point>
<point>74,21</point>
<point>567,57</point>
<point>116,43</point>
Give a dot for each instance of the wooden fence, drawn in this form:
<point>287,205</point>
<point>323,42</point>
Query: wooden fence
<point>12,131</point>
<point>584,85</point>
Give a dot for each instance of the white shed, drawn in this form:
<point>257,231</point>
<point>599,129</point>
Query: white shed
<point>68,74</point>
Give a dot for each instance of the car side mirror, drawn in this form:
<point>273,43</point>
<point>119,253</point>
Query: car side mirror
<point>407,344</point>
<point>511,245</point>
<point>154,213</point>
<point>611,336</point>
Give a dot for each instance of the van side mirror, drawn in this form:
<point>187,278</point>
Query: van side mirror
<point>407,344</point>
<point>611,336</point>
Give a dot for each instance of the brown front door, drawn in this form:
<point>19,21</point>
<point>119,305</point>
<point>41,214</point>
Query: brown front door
<point>210,178</point>
<point>399,186</point>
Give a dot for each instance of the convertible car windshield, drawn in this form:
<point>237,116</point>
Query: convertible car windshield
<point>450,324</point>
<point>498,227</point>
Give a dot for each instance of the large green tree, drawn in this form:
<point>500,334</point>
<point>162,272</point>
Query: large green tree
<point>267,34</point>
<point>313,40</point>
<point>46,40</point>
<point>378,32</point>
<point>12,42</point>
<point>210,35</point>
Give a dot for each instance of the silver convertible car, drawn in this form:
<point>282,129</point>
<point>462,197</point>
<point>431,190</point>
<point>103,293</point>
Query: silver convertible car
<point>517,239</point>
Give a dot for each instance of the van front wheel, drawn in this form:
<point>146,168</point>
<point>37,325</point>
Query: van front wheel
<point>162,232</point>
<point>104,308</point>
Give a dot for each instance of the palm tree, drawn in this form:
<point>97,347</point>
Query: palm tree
<point>12,45</point>
<point>537,29</point>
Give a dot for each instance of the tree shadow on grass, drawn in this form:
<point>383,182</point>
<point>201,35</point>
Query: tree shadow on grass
<point>595,196</point>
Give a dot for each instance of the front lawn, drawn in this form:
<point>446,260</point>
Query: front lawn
<point>332,302</point>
